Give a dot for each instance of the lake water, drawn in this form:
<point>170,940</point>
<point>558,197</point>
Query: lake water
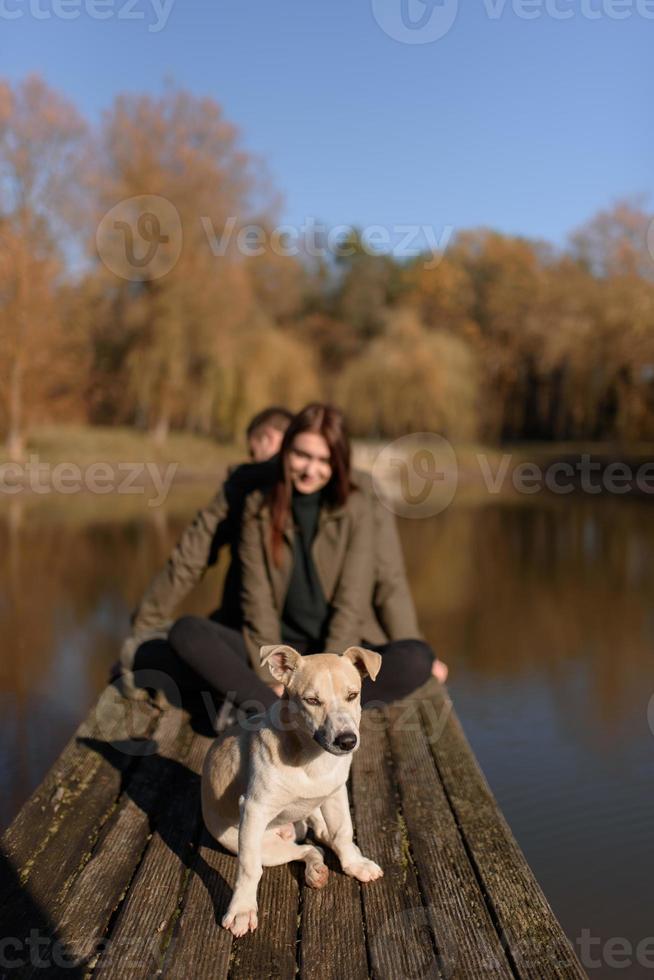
<point>543,608</point>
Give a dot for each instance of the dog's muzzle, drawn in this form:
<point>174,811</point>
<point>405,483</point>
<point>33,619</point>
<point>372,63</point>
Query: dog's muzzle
<point>345,741</point>
<point>340,744</point>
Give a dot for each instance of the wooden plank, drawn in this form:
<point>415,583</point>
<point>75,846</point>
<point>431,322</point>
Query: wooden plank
<point>104,852</point>
<point>399,938</point>
<point>529,930</point>
<point>200,947</point>
<point>63,840</point>
<point>81,918</point>
<point>271,950</point>
<point>139,938</point>
<point>467,943</point>
<point>112,718</point>
<point>45,879</point>
<point>332,942</point>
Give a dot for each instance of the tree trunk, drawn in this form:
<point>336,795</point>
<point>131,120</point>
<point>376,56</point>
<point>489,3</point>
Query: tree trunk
<point>15,442</point>
<point>161,429</point>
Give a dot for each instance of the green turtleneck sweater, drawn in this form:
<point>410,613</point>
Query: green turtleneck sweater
<point>306,610</point>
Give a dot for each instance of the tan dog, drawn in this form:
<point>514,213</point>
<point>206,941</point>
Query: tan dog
<point>261,788</point>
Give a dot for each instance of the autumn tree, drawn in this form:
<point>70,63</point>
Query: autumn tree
<point>41,148</point>
<point>440,290</point>
<point>369,283</point>
<point>412,379</point>
<point>193,309</point>
<point>616,249</point>
<point>172,177</point>
<point>617,241</point>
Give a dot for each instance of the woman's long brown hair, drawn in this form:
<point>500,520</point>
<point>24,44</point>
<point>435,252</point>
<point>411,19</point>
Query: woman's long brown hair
<point>329,422</point>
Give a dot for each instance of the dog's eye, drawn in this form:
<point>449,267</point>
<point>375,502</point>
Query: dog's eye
<point>352,695</point>
<point>312,701</point>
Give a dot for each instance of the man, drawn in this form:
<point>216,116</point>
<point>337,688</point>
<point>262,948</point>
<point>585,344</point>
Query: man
<point>212,528</point>
<point>265,432</point>
<point>217,526</point>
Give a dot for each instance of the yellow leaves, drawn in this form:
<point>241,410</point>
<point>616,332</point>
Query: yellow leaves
<point>188,326</point>
<point>6,104</point>
<point>443,294</point>
<point>272,367</point>
<point>412,379</point>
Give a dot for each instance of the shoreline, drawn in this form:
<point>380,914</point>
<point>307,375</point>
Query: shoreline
<point>87,463</point>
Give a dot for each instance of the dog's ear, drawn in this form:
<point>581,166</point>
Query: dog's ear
<point>366,661</point>
<point>281,659</point>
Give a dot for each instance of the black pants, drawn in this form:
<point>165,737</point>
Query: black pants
<point>217,655</point>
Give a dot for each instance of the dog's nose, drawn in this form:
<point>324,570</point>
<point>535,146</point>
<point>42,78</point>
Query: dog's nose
<point>345,741</point>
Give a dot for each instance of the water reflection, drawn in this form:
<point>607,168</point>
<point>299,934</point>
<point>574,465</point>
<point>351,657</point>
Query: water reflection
<point>545,612</point>
<point>550,587</point>
<point>543,608</point>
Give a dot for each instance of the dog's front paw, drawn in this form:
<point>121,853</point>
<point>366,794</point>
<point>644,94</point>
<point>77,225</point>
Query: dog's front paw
<point>316,872</point>
<point>364,870</point>
<point>240,919</point>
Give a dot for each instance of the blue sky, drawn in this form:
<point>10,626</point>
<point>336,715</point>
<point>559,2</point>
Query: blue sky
<point>526,125</point>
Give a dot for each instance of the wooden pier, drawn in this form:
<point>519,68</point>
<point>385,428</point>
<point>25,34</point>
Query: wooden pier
<point>107,870</point>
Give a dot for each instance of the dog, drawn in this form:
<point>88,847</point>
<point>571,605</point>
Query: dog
<point>265,784</point>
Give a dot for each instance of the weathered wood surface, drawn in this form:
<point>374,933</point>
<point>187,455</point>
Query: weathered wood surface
<point>530,933</point>
<point>108,872</point>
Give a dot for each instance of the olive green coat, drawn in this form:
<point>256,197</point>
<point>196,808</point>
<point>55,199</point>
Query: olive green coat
<point>219,524</point>
<point>343,553</point>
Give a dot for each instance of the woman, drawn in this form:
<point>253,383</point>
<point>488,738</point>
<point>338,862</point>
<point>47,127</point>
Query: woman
<point>307,555</point>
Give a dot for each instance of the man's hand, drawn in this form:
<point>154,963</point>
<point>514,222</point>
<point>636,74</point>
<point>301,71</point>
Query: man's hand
<point>128,650</point>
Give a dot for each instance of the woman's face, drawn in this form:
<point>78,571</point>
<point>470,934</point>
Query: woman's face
<point>309,462</point>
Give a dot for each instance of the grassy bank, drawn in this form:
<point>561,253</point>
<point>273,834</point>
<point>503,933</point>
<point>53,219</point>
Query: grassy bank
<point>195,456</point>
<point>187,459</point>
